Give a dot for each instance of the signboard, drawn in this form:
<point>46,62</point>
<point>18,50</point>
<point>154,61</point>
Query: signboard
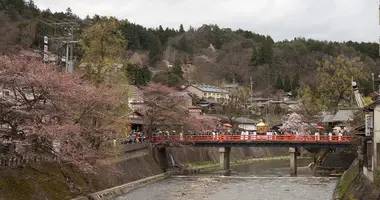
<point>46,49</point>
<point>368,124</point>
<point>46,40</point>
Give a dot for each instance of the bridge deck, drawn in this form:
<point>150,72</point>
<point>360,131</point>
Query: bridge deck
<point>258,141</point>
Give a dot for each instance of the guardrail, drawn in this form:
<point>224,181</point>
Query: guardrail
<point>251,138</point>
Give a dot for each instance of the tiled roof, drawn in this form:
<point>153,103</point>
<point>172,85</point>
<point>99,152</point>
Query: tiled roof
<point>210,88</point>
<point>340,116</point>
<point>181,94</point>
<point>243,120</point>
<point>371,106</point>
<point>344,115</point>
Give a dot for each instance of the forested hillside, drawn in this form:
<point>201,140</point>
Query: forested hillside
<point>208,54</point>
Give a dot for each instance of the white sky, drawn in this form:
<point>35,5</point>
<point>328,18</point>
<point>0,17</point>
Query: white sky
<point>339,20</point>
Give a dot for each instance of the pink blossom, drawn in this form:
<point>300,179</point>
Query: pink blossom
<point>38,101</point>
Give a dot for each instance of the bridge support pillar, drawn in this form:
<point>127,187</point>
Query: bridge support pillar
<point>293,161</point>
<point>224,161</point>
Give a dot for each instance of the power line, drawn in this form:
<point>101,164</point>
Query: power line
<point>63,35</point>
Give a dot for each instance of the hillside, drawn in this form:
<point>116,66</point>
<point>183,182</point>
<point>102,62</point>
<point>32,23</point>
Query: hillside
<point>208,54</point>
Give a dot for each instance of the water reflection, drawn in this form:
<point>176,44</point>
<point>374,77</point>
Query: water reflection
<point>275,168</point>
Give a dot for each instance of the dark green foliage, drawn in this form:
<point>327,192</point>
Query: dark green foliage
<point>137,75</point>
<point>266,52</point>
<point>184,45</point>
<point>269,58</point>
<point>279,83</point>
<point>181,29</point>
<point>295,84</point>
<point>287,84</point>
<point>155,50</point>
<point>172,77</point>
<point>177,68</point>
<point>255,56</point>
<point>263,54</point>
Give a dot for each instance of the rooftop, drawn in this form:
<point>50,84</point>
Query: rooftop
<point>340,116</point>
<point>181,94</point>
<point>372,106</point>
<point>210,88</point>
<point>244,120</point>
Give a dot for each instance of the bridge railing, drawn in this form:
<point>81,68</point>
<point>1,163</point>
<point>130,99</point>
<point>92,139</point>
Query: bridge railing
<point>252,138</point>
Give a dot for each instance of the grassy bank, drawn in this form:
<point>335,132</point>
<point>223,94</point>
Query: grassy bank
<point>346,180</point>
<point>211,165</point>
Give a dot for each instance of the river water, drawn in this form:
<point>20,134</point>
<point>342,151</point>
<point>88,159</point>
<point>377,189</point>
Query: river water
<point>267,180</point>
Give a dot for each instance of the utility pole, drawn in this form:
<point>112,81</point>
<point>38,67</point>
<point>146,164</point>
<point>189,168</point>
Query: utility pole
<point>251,83</point>
<point>63,35</point>
<point>352,93</point>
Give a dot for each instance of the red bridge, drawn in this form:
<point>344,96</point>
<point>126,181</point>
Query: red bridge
<point>288,140</point>
<point>225,142</point>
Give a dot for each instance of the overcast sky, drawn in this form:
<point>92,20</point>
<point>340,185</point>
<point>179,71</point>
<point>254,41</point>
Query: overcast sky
<point>340,20</point>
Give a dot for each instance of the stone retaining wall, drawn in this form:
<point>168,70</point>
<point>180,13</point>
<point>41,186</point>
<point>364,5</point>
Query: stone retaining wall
<point>353,185</point>
<point>123,189</point>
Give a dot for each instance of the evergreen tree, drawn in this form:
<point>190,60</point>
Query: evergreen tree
<point>69,12</point>
<point>137,75</point>
<point>279,84</point>
<point>295,82</point>
<point>255,56</point>
<point>155,50</point>
<point>183,45</point>
<point>181,29</point>
<point>287,84</point>
<point>266,52</point>
<point>143,76</point>
<point>177,70</point>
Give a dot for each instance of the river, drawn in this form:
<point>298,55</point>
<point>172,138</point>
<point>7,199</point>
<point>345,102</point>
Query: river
<point>267,180</point>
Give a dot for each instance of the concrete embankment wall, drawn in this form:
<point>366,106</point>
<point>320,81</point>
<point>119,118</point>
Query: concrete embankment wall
<point>355,186</point>
<point>46,181</point>
<point>182,155</point>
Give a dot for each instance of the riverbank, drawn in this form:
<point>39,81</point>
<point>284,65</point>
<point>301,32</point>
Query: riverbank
<point>49,181</point>
<point>210,165</point>
<point>355,186</point>
<point>267,180</point>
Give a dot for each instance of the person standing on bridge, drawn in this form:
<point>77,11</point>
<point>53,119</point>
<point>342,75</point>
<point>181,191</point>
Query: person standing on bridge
<point>330,136</point>
<point>316,135</point>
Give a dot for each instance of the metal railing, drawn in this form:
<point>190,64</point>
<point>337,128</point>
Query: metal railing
<point>251,138</point>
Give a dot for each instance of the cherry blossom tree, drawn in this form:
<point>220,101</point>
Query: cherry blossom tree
<point>202,123</point>
<point>163,111</point>
<point>295,123</point>
<point>41,106</point>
